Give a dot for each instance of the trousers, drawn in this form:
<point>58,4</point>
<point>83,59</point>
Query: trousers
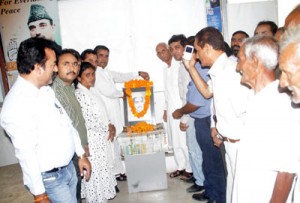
<point>61,185</point>
<point>212,166</point>
<point>195,153</point>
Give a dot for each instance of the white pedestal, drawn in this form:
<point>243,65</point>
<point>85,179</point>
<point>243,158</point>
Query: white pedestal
<point>146,172</point>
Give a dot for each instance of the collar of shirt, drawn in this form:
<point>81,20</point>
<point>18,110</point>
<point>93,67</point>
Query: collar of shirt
<point>80,86</point>
<point>215,68</point>
<point>47,94</point>
<point>28,84</point>
<point>174,63</point>
<point>62,84</point>
<point>233,57</point>
<point>104,72</point>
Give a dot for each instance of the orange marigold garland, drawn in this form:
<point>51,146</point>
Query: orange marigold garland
<point>138,84</point>
<point>142,127</point>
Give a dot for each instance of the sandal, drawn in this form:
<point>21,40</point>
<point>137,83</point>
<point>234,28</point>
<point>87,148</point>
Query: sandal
<point>176,173</point>
<point>186,175</point>
<point>122,177</point>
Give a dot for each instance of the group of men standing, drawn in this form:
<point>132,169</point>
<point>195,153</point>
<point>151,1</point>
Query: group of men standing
<point>252,115</point>
<point>190,136</point>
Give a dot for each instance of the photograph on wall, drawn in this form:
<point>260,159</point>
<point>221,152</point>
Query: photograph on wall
<point>136,104</point>
<point>21,20</point>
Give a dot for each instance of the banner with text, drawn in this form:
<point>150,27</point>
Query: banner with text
<point>213,12</point>
<point>20,20</point>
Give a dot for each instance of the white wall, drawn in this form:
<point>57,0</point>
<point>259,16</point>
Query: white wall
<point>284,8</point>
<point>245,16</point>
<point>130,28</point>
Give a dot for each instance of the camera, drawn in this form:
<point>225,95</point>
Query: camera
<point>188,52</point>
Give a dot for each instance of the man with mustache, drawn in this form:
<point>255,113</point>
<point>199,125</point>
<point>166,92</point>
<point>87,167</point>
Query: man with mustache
<point>41,25</point>
<point>68,69</point>
<point>106,86</point>
<point>40,129</point>
<point>236,42</point>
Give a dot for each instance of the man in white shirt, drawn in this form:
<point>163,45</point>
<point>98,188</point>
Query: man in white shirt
<point>290,68</point>
<point>269,153</point>
<point>105,85</point>
<point>176,79</point>
<point>229,96</point>
<point>41,131</point>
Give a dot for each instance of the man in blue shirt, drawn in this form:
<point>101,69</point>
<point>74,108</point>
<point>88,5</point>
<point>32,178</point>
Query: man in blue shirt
<point>199,109</point>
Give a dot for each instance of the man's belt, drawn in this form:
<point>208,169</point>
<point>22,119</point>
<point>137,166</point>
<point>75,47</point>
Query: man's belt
<point>230,140</point>
<point>55,169</point>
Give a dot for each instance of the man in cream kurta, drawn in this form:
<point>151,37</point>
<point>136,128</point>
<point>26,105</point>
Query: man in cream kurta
<point>173,102</point>
<point>105,84</point>
<point>176,81</point>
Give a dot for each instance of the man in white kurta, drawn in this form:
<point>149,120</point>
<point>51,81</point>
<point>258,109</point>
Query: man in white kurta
<point>173,102</point>
<point>268,155</point>
<point>177,79</point>
<point>105,84</point>
<point>268,145</point>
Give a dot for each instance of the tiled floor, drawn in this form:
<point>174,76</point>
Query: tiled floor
<point>13,191</point>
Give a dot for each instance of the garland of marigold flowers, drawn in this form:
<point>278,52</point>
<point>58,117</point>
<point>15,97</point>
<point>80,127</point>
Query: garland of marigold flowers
<point>138,84</point>
<point>142,127</point>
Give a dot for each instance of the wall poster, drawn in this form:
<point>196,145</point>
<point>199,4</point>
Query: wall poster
<point>213,12</point>
<point>20,20</point>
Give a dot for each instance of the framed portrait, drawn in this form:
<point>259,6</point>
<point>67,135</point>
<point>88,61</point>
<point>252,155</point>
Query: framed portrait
<point>138,96</point>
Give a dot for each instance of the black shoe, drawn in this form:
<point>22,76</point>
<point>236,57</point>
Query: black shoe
<point>195,188</point>
<point>200,197</point>
<point>122,177</point>
<point>191,180</point>
<point>117,189</point>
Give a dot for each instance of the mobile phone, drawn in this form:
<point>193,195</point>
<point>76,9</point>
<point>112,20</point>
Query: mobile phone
<point>188,52</point>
